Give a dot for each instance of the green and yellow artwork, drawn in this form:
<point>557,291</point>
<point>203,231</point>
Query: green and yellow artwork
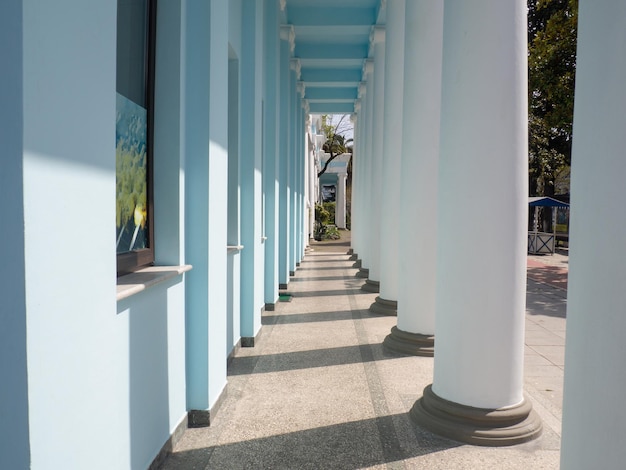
<point>131,165</point>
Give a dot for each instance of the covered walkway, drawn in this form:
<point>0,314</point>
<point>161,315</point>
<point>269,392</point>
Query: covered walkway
<point>319,391</point>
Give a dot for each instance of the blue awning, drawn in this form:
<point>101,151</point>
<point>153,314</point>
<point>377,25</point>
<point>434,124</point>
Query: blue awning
<point>546,202</point>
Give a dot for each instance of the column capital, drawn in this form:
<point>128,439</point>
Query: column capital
<point>362,89</point>
<point>301,88</point>
<point>357,106</point>
<point>288,33</point>
<point>296,65</point>
<point>283,5</point>
<point>305,106</point>
<point>368,67</point>
<point>353,116</point>
<point>377,35</point>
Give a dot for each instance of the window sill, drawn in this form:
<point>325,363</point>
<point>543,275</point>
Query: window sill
<point>133,283</point>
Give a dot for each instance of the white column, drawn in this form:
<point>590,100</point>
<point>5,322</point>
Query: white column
<point>340,207</point>
<point>305,187</point>
<point>593,402</point>
<point>367,217</point>
<point>377,42</point>
<point>358,163</point>
<point>386,303</point>
<point>420,157</point>
<point>354,195</point>
<point>481,270</point>
<point>312,191</point>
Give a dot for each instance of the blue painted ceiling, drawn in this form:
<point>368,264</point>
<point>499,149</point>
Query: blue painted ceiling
<point>332,42</point>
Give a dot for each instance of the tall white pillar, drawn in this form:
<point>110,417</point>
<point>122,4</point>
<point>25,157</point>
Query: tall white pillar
<point>368,218</point>
<point>377,42</point>
<point>387,302</point>
<point>358,162</point>
<point>477,391</point>
<point>354,189</point>
<point>593,402</point>
<point>312,177</point>
<point>340,207</point>
<point>417,228</point>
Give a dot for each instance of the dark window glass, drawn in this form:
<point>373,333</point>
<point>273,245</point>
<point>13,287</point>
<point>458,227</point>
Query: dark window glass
<point>133,132</point>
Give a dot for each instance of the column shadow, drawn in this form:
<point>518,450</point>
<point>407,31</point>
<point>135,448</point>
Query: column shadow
<point>352,445</point>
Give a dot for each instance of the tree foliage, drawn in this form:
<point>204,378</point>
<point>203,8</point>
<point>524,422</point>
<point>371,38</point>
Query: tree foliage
<point>552,30</point>
<point>336,142</point>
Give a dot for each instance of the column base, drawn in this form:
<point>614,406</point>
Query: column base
<point>384,307</point>
<point>413,344</point>
<point>203,418</point>
<point>477,426</point>
<point>363,273</point>
<point>371,286</point>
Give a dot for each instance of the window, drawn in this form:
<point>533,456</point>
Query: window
<point>133,133</point>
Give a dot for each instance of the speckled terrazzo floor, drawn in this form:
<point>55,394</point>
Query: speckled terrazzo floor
<point>318,391</point>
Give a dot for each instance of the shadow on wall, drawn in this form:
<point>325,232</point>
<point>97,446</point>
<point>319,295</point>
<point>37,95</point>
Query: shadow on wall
<point>149,394</point>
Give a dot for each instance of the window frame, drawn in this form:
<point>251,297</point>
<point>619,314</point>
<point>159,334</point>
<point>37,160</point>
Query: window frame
<point>131,261</point>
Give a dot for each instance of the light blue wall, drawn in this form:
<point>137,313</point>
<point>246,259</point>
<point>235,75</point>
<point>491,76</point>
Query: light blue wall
<point>195,76</point>
<point>293,166</point>
<point>170,215</point>
<point>116,369</point>
<point>252,256</point>
<point>135,366</point>
<point>77,345</point>
<point>206,156</point>
<point>218,209</point>
<point>235,9</point>
<point>169,143</point>
<point>154,366</point>
<point>270,148</point>
<point>234,196</point>
<point>14,437</point>
<point>234,187</point>
<point>284,165</point>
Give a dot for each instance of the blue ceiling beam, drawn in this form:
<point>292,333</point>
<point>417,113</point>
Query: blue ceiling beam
<point>337,51</point>
<point>336,16</point>
<point>331,63</point>
<point>331,108</point>
<point>330,75</point>
<point>327,94</point>
<point>333,34</point>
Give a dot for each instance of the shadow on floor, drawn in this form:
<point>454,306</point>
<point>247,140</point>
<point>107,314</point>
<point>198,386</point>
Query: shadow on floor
<point>552,275</point>
<point>325,293</point>
<point>540,303</point>
<point>315,279</point>
<point>351,445</point>
<point>310,359</point>
<point>306,317</point>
